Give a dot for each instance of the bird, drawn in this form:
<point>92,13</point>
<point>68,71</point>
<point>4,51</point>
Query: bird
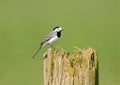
<point>51,38</point>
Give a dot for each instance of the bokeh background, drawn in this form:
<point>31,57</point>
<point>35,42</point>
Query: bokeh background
<point>86,23</point>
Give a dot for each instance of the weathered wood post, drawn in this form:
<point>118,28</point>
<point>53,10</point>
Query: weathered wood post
<point>78,68</point>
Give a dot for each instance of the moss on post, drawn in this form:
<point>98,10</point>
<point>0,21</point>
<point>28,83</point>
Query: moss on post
<point>78,68</point>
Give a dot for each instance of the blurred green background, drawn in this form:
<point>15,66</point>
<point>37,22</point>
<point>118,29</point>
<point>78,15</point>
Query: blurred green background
<point>86,23</point>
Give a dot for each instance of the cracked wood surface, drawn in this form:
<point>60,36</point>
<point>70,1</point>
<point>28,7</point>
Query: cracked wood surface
<point>77,68</point>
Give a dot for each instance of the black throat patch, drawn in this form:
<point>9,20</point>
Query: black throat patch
<point>59,34</point>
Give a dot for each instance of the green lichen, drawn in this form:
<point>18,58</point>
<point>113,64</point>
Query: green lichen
<point>71,71</point>
<point>75,57</point>
<point>52,63</point>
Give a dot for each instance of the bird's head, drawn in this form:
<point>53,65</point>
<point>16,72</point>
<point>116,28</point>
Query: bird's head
<point>58,29</point>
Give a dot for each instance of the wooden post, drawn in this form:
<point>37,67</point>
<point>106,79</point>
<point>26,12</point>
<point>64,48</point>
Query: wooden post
<point>78,68</point>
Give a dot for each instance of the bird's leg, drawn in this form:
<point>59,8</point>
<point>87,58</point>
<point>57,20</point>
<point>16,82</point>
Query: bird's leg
<point>51,46</point>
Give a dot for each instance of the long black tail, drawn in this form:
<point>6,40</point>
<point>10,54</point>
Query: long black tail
<point>37,52</point>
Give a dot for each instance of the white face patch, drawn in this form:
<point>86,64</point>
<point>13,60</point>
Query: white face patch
<point>58,29</point>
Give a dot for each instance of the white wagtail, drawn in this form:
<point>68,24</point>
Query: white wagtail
<point>52,37</point>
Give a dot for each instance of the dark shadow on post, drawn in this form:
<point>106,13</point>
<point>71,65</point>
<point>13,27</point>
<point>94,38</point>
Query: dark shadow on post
<point>97,74</point>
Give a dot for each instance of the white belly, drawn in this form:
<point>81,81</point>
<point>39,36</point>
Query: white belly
<point>54,39</point>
